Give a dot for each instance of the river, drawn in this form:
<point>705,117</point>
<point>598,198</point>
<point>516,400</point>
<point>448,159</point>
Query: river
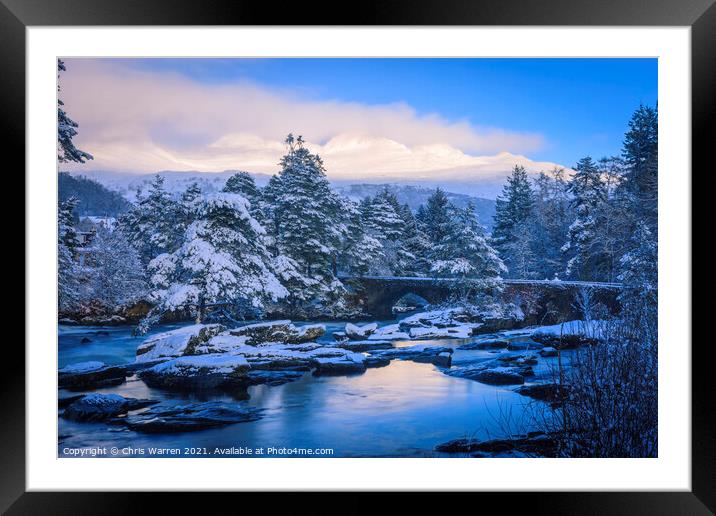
<point>401,410</point>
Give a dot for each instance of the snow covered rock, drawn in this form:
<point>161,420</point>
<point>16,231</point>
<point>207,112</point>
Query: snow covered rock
<point>309,333</point>
<point>199,371</point>
<point>100,407</point>
<point>278,331</point>
<point>190,417</point>
<point>90,375</point>
<point>347,364</point>
<point>436,318</point>
<point>492,375</point>
<point>464,331</point>
<point>222,343</point>
<point>355,332</point>
<point>390,332</point>
<point>175,343</point>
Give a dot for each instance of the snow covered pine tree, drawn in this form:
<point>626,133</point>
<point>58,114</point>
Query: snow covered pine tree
<point>222,260</point>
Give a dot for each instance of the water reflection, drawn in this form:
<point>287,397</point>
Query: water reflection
<point>403,409</point>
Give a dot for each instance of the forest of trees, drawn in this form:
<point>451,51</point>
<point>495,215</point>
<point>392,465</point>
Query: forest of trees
<point>289,242</point>
<point>581,227</point>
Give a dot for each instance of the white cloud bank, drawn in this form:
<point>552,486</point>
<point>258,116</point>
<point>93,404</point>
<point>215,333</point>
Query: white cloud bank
<point>142,121</point>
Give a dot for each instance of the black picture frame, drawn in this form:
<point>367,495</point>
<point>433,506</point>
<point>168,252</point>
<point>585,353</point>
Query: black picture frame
<point>700,15</point>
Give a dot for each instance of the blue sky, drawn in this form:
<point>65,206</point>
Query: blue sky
<point>581,106</point>
<point>467,122</point>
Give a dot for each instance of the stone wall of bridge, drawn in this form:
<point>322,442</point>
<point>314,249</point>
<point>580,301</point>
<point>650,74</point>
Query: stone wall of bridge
<point>542,302</point>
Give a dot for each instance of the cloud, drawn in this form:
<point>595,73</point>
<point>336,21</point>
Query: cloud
<point>144,121</point>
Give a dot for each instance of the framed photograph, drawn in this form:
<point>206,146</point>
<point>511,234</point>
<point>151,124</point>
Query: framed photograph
<point>441,248</point>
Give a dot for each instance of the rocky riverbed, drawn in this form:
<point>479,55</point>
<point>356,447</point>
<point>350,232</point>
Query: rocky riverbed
<point>388,388</point>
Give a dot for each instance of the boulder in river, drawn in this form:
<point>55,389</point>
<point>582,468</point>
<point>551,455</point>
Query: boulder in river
<point>389,332</point>
<point>463,331</point>
<point>492,375</point>
<point>101,407</point>
<point>278,331</point>
<point>90,375</point>
<point>190,417</point>
<point>355,332</point>
<point>351,363</point>
<point>197,372</point>
<point>175,343</point>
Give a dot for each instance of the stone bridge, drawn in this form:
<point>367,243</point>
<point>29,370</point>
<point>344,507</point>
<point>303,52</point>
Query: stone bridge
<point>537,298</point>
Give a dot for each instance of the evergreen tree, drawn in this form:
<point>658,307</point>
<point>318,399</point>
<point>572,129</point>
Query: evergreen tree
<point>519,250</point>
<point>307,219</point>
<point>117,275</point>
<point>266,212</point>
<point>383,222</point>
<point>359,250</point>
<point>641,155</point>
<point>242,183</point>
<point>415,243</point>
<point>513,209</point>
<point>222,260</point>
<point>465,252</point>
<point>639,295</point>
<point>435,218</point>
<point>151,225</point>
<point>68,271</point>
<point>552,215</point>
<point>66,130</point>
<point>613,224</point>
<point>587,189</point>
<point>187,206</point>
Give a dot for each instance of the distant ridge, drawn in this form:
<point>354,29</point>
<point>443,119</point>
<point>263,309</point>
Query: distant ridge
<point>176,182</point>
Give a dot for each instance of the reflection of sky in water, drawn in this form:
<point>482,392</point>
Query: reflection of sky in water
<point>403,409</point>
